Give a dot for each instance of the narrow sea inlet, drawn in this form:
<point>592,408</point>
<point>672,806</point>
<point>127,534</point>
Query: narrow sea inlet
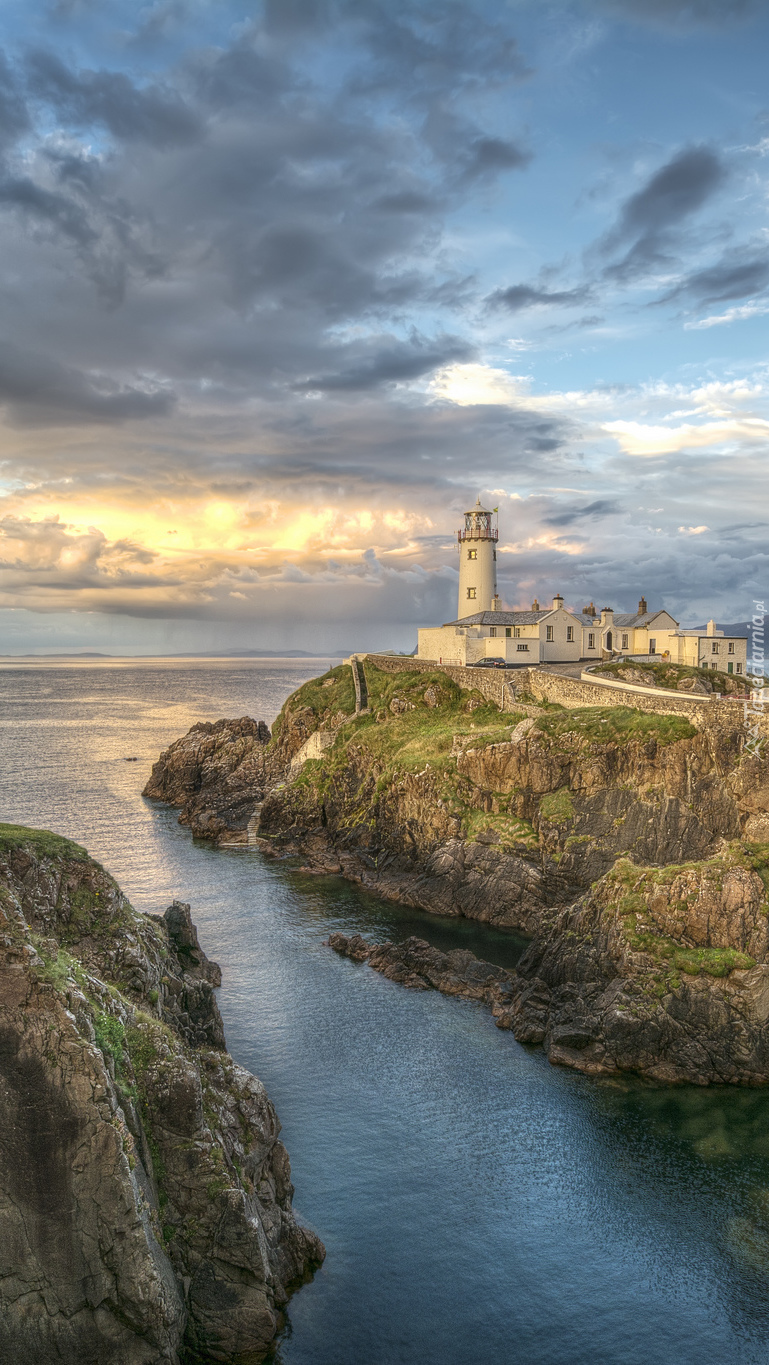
<point>477,1204</point>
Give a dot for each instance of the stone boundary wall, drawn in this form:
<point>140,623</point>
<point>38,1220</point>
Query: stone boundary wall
<point>490,682</point>
<point>664,692</point>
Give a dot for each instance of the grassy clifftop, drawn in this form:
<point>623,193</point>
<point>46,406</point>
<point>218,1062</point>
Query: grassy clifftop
<point>448,752</point>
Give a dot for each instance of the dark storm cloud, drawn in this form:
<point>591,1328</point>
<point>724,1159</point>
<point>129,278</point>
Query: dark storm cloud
<point>14,117</point>
<point>520,296</point>
<point>736,276</point>
<point>38,390</point>
<point>390,362</point>
<point>648,219</point>
<point>150,114</point>
<point>602,507</point>
<point>680,13</point>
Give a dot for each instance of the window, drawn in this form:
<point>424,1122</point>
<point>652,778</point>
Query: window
<point>472,554</point>
<point>508,631</point>
<point>569,632</point>
<point>471,593</point>
<point>731,646</point>
<point>549,632</point>
<point>625,641</point>
<point>523,647</point>
<point>591,641</point>
<point>493,631</point>
<point>517,632</point>
<point>652,646</point>
<point>714,665</point>
<point>714,647</point>
<point>739,668</point>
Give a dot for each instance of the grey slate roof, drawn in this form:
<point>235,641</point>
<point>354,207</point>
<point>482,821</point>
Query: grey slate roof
<point>624,619</point>
<point>501,618</point>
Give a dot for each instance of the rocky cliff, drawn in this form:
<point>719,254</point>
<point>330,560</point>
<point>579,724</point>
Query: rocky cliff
<point>541,821</point>
<point>145,1196</point>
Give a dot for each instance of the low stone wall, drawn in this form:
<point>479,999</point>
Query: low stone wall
<point>663,692</point>
<point>490,682</point>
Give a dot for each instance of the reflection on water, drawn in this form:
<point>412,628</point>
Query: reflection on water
<point>477,1204</point>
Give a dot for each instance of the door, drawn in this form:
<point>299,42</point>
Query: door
<point>609,644</point>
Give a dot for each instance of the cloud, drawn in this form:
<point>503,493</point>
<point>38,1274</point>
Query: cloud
<point>683,14</point>
<point>602,507</point>
<point>739,314</point>
<point>736,276</point>
<point>150,114</point>
<point>388,361</point>
<point>639,438</point>
<point>40,391</point>
<point>517,297</point>
<point>649,216</point>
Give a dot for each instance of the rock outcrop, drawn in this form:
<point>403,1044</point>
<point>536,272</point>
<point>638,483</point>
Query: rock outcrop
<point>215,773</point>
<point>145,1196</point>
<point>415,964</point>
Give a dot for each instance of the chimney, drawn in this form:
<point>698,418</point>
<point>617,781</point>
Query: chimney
<point>495,602</point>
<point>589,610</point>
<point>607,616</point>
<point>535,605</point>
<point>642,607</point>
<point>711,627</point>
<point>557,601</point>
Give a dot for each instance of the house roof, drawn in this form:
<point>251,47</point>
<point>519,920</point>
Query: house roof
<point>501,618</point>
<point>625,619</point>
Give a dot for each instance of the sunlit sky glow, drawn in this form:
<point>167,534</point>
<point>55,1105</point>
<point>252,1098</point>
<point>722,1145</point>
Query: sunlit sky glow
<point>285,286</point>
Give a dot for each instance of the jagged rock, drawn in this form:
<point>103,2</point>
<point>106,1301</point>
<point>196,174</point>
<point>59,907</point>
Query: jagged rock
<point>215,773</point>
<point>145,1198</point>
<point>699,686</point>
<point>522,729</point>
<point>415,964</point>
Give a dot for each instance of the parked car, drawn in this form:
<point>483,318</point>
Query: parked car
<point>490,663</point>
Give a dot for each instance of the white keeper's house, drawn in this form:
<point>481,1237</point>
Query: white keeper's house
<point>558,634</point>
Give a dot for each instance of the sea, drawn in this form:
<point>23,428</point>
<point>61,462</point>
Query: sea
<point>478,1205</point>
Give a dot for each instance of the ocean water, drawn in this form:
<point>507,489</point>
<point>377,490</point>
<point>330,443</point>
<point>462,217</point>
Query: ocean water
<point>479,1207</point>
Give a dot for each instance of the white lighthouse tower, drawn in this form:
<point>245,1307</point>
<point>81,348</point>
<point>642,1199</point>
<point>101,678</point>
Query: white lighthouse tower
<point>477,562</point>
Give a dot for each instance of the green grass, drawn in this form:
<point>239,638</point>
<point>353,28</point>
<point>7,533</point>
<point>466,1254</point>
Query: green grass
<point>110,1037</point>
<point>692,961</point>
<point>55,969</point>
<point>557,807</point>
<point>637,884</point>
<point>323,701</point>
<point>42,841</point>
<point>510,829</point>
<point>407,740</point>
<point>615,725</point>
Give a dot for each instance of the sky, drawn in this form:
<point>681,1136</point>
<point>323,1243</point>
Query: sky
<point>286,286</point>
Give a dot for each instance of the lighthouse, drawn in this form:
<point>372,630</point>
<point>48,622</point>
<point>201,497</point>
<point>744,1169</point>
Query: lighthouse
<point>477,562</point>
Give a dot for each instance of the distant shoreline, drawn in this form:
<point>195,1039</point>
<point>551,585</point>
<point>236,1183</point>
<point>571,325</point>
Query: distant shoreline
<point>9,661</point>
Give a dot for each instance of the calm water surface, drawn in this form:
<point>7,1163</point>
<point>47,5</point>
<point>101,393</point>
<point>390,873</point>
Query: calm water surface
<point>477,1204</point>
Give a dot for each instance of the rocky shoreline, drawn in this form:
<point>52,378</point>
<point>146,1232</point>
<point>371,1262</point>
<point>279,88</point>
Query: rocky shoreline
<point>632,848</point>
<point>145,1195</point>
